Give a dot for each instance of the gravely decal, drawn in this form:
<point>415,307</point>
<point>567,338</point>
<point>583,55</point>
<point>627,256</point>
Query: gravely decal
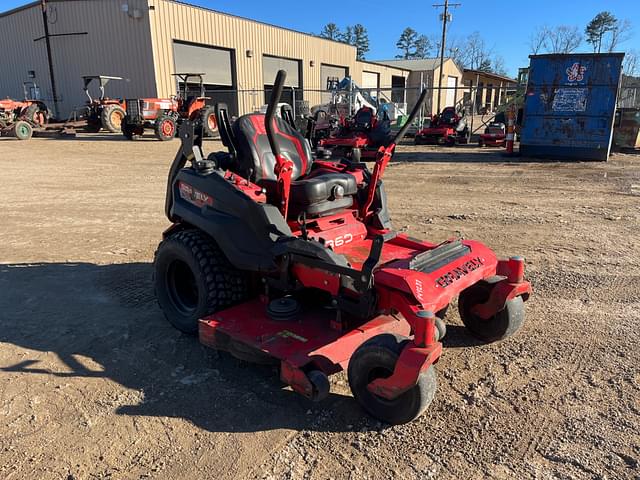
<point>194,196</point>
<point>459,272</point>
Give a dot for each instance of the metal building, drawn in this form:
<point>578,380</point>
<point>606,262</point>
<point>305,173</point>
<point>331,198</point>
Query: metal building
<point>145,41</point>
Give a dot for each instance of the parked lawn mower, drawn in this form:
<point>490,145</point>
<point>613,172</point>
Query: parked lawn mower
<point>18,118</point>
<point>277,257</point>
<point>163,115</point>
<point>494,135</point>
<point>103,112</point>
<point>365,132</point>
<point>447,128</point>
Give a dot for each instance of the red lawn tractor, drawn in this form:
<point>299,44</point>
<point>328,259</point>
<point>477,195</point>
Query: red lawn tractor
<point>494,135</point>
<point>447,128</point>
<point>164,115</point>
<point>364,133</point>
<point>19,118</point>
<point>103,112</point>
<point>277,257</point>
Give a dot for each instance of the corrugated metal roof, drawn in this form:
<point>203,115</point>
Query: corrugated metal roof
<point>416,65</point>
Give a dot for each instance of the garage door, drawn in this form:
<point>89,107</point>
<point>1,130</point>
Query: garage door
<point>371,80</point>
<point>293,83</point>
<point>330,72</point>
<point>217,65</point>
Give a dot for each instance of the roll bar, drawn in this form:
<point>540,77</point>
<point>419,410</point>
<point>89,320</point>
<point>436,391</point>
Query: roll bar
<point>284,167</point>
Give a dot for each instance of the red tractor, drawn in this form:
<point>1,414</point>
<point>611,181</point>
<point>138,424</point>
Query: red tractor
<point>19,118</point>
<point>163,115</point>
<point>277,257</point>
<point>103,112</point>
<point>447,128</point>
<point>494,136</point>
<point>365,132</point>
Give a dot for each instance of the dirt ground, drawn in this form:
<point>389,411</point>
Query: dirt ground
<point>94,383</point>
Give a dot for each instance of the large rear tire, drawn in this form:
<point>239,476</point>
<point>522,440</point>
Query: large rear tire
<point>209,122</point>
<point>500,326</point>
<point>111,118</point>
<point>377,358</point>
<point>193,278</point>
<point>36,114</point>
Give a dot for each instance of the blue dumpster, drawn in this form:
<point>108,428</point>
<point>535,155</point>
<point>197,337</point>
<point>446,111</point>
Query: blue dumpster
<point>570,105</point>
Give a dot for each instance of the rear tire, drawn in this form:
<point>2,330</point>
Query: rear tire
<point>165,128</point>
<point>111,118</point>
<point>22,130</point>
<point>192,279</point>
<point>37,115</point>
<point>377,358</point>
<point>209,122</point>
<point>500,326</point>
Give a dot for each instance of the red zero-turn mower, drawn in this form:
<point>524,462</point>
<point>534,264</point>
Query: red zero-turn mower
<point>494,136</point>
<point>365,133</point>
<point>448,128</point>
<point>276,257</point>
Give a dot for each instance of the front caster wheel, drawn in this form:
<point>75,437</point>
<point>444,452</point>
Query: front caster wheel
<point>376,358</point>
<point>502,325</point>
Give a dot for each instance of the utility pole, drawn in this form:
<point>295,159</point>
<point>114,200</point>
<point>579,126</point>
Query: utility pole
<point>446,17</point>
<point>47,39</point>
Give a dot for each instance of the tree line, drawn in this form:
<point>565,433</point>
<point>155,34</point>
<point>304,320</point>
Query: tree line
<point>604,33</point>
<point>468,52</point>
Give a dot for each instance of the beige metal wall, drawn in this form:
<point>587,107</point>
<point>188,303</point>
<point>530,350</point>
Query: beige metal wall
<point>450,69</point>
<point>173,21</point>
<point>115,44</point>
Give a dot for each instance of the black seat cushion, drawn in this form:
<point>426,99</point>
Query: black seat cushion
<point>255,159</point>
<point>316,193</point>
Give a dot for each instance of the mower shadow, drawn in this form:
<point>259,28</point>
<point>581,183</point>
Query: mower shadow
<point>108,315</point>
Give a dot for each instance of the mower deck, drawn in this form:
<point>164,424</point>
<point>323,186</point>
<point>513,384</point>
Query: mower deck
<point>312,336</point>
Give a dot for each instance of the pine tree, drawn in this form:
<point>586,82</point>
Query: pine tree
<point>598,27</point>
<point>422,47</point>
<point>406,43</point>
<point>330,31</point>
<point>348,36</point>
<point>360,41</point>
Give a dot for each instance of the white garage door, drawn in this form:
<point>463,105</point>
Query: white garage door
<point>370,80</point>
<point>452,83</point>
<point>215,63</point>
<point>271,65</point>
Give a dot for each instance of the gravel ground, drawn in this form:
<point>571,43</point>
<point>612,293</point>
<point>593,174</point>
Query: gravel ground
<point>95,384</point>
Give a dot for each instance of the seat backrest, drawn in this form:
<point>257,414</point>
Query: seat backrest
<point>364,118</point>
<point>255,159</point>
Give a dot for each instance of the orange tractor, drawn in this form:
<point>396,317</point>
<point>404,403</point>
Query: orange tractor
<point>19,118</point>
<point>103,112</point>
<point>163,115</point>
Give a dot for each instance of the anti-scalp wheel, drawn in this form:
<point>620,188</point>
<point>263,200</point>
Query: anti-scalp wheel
<point>376,358</point>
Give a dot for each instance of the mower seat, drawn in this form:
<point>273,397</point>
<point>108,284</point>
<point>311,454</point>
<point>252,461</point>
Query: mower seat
<point>318,192</point>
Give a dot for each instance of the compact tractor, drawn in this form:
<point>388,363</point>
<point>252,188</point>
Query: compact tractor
<point>447,128</point>
<point>364,133</point>
<point>164,115</point>
<point>277,257</point>
<point>103,112</point>
<point>19,118</point>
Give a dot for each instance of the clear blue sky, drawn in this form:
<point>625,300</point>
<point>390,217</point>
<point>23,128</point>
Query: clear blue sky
<point>506,26</point>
